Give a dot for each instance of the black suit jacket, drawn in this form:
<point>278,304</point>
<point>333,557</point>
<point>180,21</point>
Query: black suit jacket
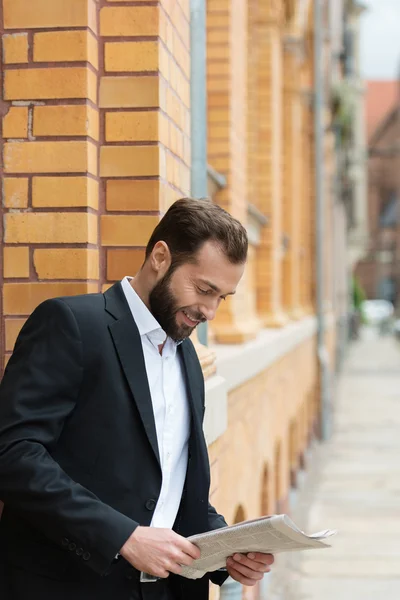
<point>79,461</point>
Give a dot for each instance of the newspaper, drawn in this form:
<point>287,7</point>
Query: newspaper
<point>269,535</point>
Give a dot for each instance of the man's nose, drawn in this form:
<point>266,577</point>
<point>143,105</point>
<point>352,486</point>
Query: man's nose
<point>209,310</point>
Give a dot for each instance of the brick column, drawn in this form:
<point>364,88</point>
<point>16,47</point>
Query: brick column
<point>50,151</point>
<point>145,134</point>
<point>269,166</point>
<point>291,179</point>
<point>227,51</point>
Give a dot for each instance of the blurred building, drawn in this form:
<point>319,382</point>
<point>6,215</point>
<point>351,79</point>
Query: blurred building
<point>99,133</point>
<point>378,269</point>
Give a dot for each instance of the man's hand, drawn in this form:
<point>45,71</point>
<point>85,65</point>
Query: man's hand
<point>250,568</point>
<point>158,551</point>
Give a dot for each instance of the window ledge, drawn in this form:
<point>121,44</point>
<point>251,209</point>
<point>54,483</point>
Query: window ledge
<point>240,363</point>
<point>237,364</point>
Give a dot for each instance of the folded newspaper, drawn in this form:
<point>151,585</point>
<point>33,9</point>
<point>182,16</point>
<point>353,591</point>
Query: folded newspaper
<point>269,535</point>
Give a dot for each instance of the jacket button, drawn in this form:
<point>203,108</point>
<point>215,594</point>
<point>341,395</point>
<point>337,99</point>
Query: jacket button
<point>86,556</point>
<point>79,551</point>
<point>151,504</point>
<point>72,546</point>
<point>65,542</point>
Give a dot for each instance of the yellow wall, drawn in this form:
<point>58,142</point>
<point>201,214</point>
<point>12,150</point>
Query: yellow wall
<point>96,145</point>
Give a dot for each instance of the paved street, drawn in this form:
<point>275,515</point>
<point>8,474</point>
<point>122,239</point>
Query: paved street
<point>354,487</point>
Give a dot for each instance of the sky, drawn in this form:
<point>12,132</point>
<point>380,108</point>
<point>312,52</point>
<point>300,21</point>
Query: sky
<point>380,39</point>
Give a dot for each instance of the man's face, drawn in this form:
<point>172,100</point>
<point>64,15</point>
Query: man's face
<point>193,292</point>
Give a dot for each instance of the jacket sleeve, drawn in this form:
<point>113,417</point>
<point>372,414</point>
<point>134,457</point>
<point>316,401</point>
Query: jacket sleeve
<point>39,391</point>
<point>216,521</point>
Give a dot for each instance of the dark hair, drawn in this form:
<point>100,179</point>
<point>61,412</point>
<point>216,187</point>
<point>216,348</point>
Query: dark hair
<point>189,223</point>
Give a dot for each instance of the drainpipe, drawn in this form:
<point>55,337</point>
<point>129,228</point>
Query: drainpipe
<point>198,97</point>
<point>322,353</point>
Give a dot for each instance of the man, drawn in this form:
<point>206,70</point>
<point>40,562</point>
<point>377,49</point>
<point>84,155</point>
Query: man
<point>103,464</point>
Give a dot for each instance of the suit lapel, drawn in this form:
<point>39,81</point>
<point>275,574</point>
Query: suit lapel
<point>192,384</point>
<point>128,345</point>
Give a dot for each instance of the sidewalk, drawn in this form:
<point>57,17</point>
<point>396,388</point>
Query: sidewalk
<point>354,487</point>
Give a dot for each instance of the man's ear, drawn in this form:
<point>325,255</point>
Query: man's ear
<point>160,258</point>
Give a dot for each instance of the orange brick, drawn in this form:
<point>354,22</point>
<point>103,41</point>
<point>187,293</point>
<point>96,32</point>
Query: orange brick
<point>50,157</point>
<point>65,191</point>
<point>50,83</point>
<point>50,228</point>
<point>66,46</point>
<point>127,230</point>
<point>218,100</point>
<point>66,121</point>
<point>15,48</point>
<point>130,92</point>
<point>129,161</point>
<point>217,84</point>
<point>132,56</point>
<point>129,21</point>
<point>12,329</point>
<point>23,298</point>
<point>15,192</point>
<point>16,261</point>
<point>66,263</point>
<point>136,126</point>
<point>15,123</point>
<point>133,195</point>
<point>35,14</point>
<point>218,36</point>
<point>123,262</point>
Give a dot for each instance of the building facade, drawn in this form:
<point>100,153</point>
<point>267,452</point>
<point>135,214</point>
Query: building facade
<point>378,269</point>
<point>97,141</point>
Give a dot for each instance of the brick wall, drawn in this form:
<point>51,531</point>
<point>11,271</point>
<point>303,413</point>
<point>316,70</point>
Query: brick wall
<point>145,124</point>
<point>50,143</point>
<point>96,142</point>
<point>271,418</point>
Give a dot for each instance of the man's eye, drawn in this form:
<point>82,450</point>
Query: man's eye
<point>204,292</point>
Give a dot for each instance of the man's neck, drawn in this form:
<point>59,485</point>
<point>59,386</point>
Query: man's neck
<point>137,284</point>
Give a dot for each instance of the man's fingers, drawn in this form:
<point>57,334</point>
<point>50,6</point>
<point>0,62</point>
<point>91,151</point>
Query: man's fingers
<point>237,576</point>
<point>162,573</point>
<point>173,567</point>
<point>245,570</point>
<point>188,548</point>
<point>181,558</point>
<point>253,564</point>
<point>265,559</point>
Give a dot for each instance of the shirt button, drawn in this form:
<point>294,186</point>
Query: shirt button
<point>72,546</point>
<point>86,556</point>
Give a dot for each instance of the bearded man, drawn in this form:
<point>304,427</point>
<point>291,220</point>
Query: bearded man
<point>103,464</point>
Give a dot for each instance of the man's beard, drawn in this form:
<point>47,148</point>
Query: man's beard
<point>164,309</point>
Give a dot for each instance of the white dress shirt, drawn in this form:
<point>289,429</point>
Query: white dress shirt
<point>170,406</point>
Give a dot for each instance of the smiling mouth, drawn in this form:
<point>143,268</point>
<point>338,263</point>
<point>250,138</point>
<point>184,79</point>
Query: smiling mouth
<point>192,322</point>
